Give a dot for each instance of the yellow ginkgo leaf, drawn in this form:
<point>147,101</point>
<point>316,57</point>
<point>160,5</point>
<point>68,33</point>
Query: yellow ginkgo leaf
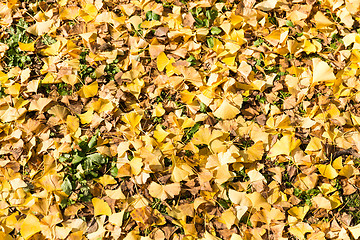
<point>158,111</point>
<point>30,226</point>
<point>327,171</point>
<point>226,111</point>
<point>284,146</point>
<point>86,117</point>
<point>115,194</point>
<point>40,28</point>
<point>68,12</point>
<point>322,72</point>
<point>162,61</point>
<point>347,171</point>
<point>13,90</point>
<point>88,90</point>
<point>228,217</point>
<point>28,47</point>
<point>164,191</point>
<point>314,145</point>
<point>106,180</point>
<point>88,13</point>
<point>72,123</point>
<point>102,105</point>
<point>321,202</point>
<point>299,212</point>
<point>160,134</point>
<point>155,49</point>
<point>136,165</point>
<point>117,218</point>
<point>101,207</point>
<point>321,20</point>
<point>300,229</point>
<point>3,77</point>
<point>258,201</point>
<point>132,118</point>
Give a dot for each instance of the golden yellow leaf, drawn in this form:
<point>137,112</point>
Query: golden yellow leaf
<point>228,218</point>
<point>132,118</point>
<point>258,201</point>
<point>115,194</point>
<point>299,212</point>
<point>13,90</point>
<point>101,207</point>
<point>69,12</point>
<point>136,165</point>
<point>162,61</point>
<point>40,104</point>
<point>3,77</point>
<point>88,13</point>
<point>284,146</point>
<point>102,105</point>
<point>88,91</point>
<point>28,47</point>
<point>327,171</point>
<point>266,5</point>
<point>72,123</point>
<point>321,20</point>
<point>160,134</point>
<point>30,226</point>
<point>300,229</point>
<point>86,117</point>
<point>158,111</point>
<point>347,171</point>
<point>106,180</point>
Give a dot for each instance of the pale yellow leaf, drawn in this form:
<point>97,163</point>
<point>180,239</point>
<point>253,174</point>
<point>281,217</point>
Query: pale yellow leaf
<point>226,111</point>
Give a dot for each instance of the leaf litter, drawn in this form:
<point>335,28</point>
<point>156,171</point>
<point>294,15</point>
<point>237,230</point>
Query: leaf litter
<point>179,119</point>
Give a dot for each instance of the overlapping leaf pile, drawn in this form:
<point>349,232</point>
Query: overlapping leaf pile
<point>179,119</point>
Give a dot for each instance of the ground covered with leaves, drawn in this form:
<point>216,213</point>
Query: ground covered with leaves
<point>179,119</point>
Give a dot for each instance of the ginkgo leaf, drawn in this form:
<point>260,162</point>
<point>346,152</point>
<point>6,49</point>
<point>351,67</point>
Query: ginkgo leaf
<point>164,192</point>
<point>226,111</point>
<point>29,47</point>
<point>106,180</point>
<point>30,226</point>
<point>88,91</point>
<point>299,212</point>
<point>266,5</point>
<point>40,28</point>
<point>158,110</point>
<point>327,171</point>
<point>72,123</point>
<point>160,134</point>
<point>133,119</point>
<point>162,61</point>
<point>284,146</point>
<point>117,218</point>
<point>40,104</point>
<point>300,229</point>
<point>101,207</point>
<point>88,13</point>
<point>86,117</point>
<point>355,231</point>
<point>322,72</point>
